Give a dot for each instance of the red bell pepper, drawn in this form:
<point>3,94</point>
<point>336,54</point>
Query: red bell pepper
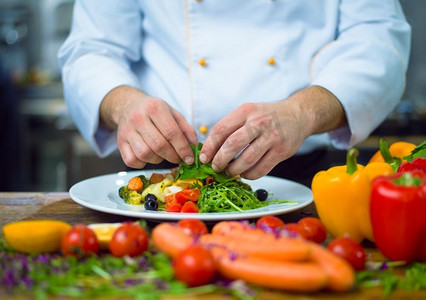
<point>398,215</point>
<point>416,164</point>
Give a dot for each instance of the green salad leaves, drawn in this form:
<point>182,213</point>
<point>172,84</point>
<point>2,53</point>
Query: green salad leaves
<point>198,169</point>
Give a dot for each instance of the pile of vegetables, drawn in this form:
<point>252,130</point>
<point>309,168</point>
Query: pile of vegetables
<point>194,188</point>
<point>133,264</point>
<point>384,202</point>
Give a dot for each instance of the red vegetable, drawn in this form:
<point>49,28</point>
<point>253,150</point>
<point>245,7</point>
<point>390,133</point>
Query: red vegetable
<point>190,207</point>
<point>187,195</point>
<point>176,201</point>
<point>349,250</point>
<point>193,227</point>
<point>80,241</point>
<point>418,164</point>
<point>398,206</point>
<point>315,228</point>
<point>269,222</point>
<point>195,266</point>
<point>129,239</point>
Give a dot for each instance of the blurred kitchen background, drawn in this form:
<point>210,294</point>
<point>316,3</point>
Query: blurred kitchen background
<point>40,149</point>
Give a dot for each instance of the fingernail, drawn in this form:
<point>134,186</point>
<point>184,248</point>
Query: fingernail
<point>216,169</point>
<point>203,158</point>
<point>189,160</point>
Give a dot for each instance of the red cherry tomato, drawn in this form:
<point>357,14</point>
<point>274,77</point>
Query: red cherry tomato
<point>195,266</point>
<point>128,239</point>
<point>80,241</point>
<point>315,228</point>
<point>350,250</point>
<point>297,229</point>
<point>269,222</point>
<point>193,226</point>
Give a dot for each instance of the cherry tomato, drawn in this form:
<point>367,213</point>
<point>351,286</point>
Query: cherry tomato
<point>269,222</point>
<point>315,228</point>
<point>350,250</point>
<point>80,241</point>
<point>195,266</point>
<point>193,226</point>
<point>297,229</point>
<point>128,239</point>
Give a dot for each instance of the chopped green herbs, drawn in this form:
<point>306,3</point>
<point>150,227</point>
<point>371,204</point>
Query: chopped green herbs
<point>145,277</point>
<point>413,277</point>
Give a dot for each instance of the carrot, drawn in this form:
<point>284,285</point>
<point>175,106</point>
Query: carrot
<point>135,184</point>
<point>341,274</point>
<point>289,276</point>
<point>171,239</point>
<point>232,227</point>
<point>260,245</point>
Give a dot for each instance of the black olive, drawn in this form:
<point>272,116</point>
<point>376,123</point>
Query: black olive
<point>150,197</point>
<point>151,204</point>
<point>261,194</point>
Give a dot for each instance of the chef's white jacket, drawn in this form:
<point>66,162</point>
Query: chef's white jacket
<point>207,57</point>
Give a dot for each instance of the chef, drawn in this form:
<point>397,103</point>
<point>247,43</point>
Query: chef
<point>266,85</point>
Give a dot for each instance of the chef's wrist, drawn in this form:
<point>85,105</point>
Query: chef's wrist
<point>318,110</point>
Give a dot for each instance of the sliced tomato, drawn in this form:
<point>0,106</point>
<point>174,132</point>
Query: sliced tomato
<point>187,195</point>
<point>190,207</point>
<point>173,207</point>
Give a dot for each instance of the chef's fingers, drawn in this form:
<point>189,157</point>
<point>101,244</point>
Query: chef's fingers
<point>129,158</point>
<point>186,128</point>
<point>248,157</point>
<point>261,168</point>
<point>223,129</point>
<point>156,144</point>
<point>234,145</point>
<point>140,151</point>
<point>173,135</point>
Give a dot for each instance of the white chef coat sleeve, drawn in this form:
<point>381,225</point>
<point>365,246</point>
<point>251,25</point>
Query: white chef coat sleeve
<point>95,58</point>
<point>365,66</point>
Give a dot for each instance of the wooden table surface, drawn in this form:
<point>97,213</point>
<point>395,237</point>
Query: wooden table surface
<point>59,206</point>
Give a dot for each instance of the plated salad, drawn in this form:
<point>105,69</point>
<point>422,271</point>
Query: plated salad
<point>195,188</point>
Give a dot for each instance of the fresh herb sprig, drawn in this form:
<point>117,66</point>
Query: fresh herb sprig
<point>198,169</point>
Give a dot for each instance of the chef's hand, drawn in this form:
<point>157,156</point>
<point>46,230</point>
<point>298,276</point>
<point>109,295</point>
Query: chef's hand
<point>148,129</point>
<point>264,134</point>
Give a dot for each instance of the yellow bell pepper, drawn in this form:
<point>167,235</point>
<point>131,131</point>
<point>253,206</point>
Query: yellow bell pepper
<point>342,197</point>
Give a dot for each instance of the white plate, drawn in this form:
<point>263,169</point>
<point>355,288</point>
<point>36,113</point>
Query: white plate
<point>101,193</point>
